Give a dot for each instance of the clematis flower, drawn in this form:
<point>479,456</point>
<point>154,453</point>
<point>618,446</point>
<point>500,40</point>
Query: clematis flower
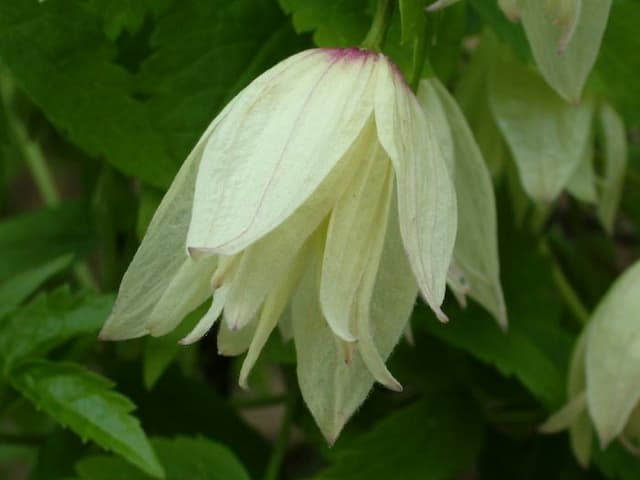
<point>319,186</point>
<point>604,375</point>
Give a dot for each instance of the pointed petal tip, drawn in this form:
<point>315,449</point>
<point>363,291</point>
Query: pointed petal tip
<point>199,252</point>
<point>435,6</point>
<point>243,384</point>
<point>104,336</point>
<point>395,386</point>
<point>442,317</point>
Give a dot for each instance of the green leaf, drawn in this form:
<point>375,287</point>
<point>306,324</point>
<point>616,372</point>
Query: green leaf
<point>15,290</point>
<point>125,15</point>
<point>183,458</point>
<point>32,239</point>
<point>196,409</point>
<point>509,32</point>
<point>49,321</point>
<point>85,402</point>
<point>433,438</point>
<point>335,23</point>
<point>70,74</point>
<point>183,78</point>
<point>619,63</point>
<point>535,348</point>
<point>160,352</point>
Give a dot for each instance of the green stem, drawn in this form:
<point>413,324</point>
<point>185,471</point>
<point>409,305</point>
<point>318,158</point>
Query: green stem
<point>37,164</point>
<point>282,442</point>
<point>380,25</point>
<point>420,60</point>
<point>569,295</point>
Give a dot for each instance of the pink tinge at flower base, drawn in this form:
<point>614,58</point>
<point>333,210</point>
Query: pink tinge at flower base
<point>320,185</point>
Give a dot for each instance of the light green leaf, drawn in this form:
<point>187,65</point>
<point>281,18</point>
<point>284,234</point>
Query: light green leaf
<point>613,356</point>
<point>547,136</point>
<point>433,438</point>
<point>565,68</point>
<point>15,290</point>
<point>183,459</point>
<point>85,402</point>
<point>48,321</point>
<point>615,155</point>
<point>476,249</point>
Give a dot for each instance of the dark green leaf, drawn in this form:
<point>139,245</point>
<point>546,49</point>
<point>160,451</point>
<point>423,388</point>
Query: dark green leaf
<point>125,15</point>
<point>507,31</point>
<point>48,321</point>
<point>183,458</point>
<point>433,439</point>
<point>69,73</point>
<point>203,57</point>
<point>15,290</point>
<point>86,403</point>
<point>619,63</point>
<point>30,240</point>
<point>535,348</point>
<point>196,409</point>
<point>335,23</point>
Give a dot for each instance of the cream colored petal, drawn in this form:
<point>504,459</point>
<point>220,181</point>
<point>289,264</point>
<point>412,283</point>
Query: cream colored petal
<point>581,437</point>
<point>266,162</point>
<point>235,342</point>
<point>546,135</point>
<point>615,157</point>
<point>565,48</point>
<point>268,259</point>
<point>458,284</point>
<point>188,289</point>
<point>159,258</point>
<point>476,247</point>
<point>273,309</point>
<point>566,416</point>
<point>363,296</point>
<point>613,356</point>
<point>582,184</point>
<point>162,252</point>
<point>209,318</point>
<point>426,198</point>
<point>355,220</point>
<point>331,388</point>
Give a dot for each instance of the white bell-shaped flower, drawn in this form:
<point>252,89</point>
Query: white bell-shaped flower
<point>326,163</point>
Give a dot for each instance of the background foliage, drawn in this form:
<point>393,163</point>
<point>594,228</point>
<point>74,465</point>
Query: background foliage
<point>101,102</point>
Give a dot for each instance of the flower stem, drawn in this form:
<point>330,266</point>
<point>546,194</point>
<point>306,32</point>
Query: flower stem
<point>420,61</point>
<point>380,25</point>
<point>37,165</point>
<point>569,295</point>
<point>282,442</point>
